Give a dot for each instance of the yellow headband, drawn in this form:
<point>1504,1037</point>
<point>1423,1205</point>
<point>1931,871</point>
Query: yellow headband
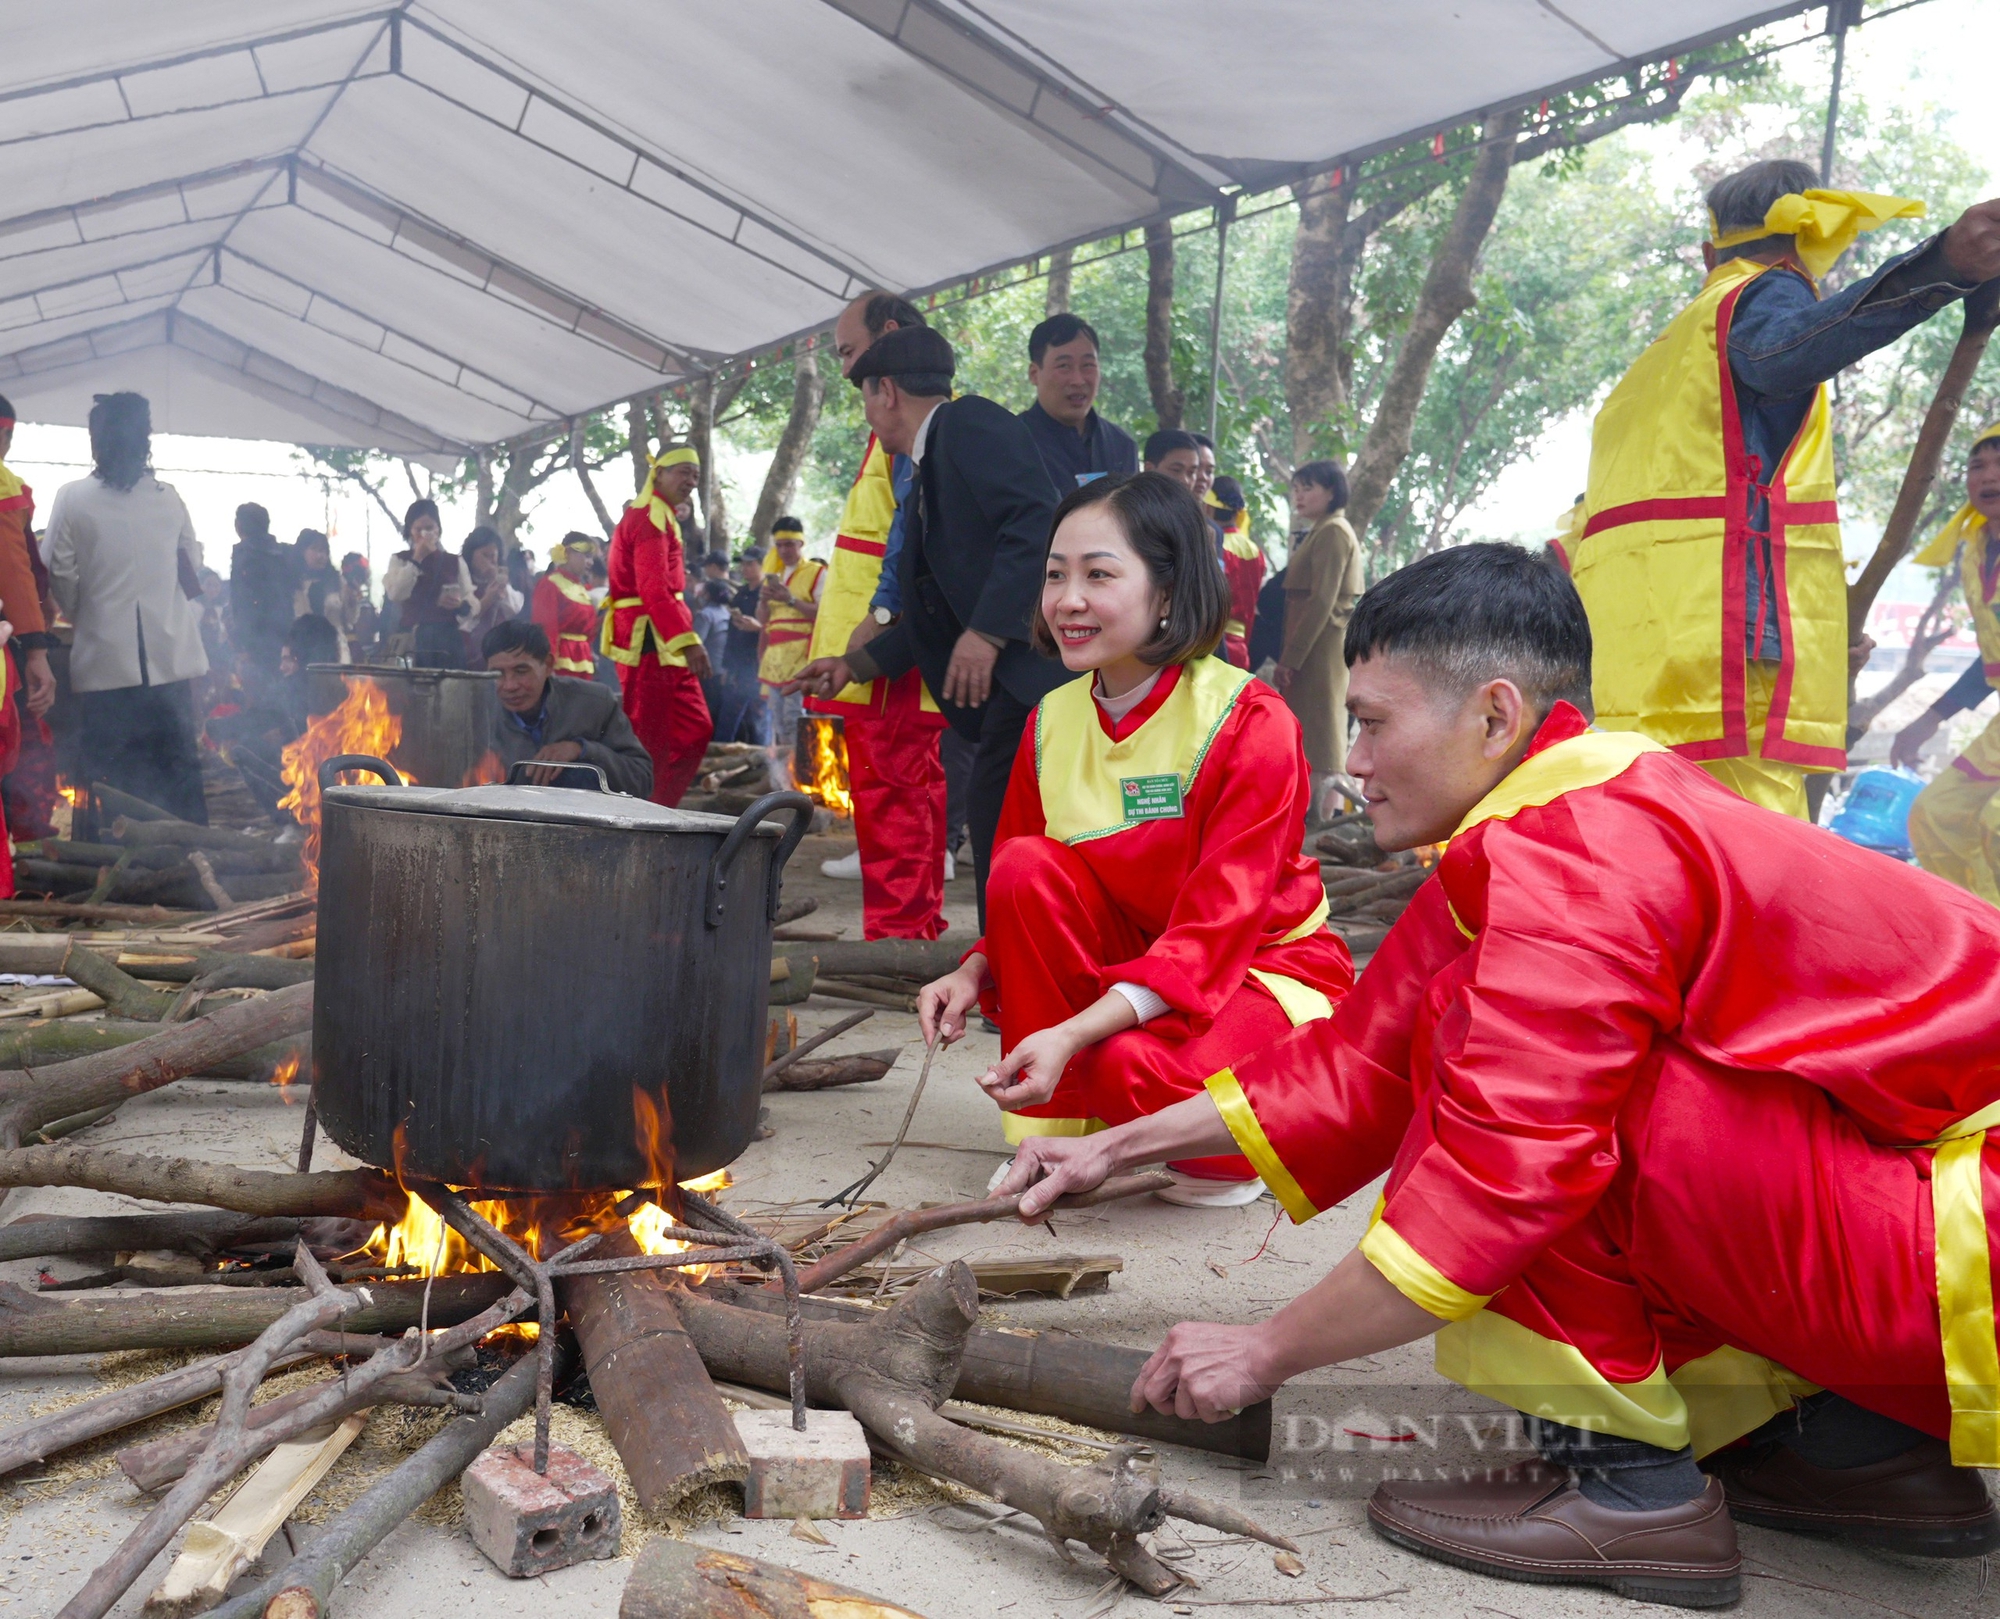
<point>1824,223</point>
<point>679,456</point>
<point>1964,523</point>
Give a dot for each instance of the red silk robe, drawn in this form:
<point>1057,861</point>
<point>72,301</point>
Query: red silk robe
<point>563,609</point>
<point>1610,926</point>
<point>647,632</point>
<point>1198,892</point>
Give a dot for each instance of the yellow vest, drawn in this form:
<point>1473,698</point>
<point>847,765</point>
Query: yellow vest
<point>787,631</point>
<point>1978,562</point>
<point>1661,566</point>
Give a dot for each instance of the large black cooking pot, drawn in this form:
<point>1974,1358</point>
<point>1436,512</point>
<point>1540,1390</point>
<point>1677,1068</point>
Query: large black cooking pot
<point>519,979</point>
<point>448,715</point>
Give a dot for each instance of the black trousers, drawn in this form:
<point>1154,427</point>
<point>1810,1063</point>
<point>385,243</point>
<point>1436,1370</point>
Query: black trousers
<point>144,740</point>
<point>958,755</point>
<point>1001,723</point>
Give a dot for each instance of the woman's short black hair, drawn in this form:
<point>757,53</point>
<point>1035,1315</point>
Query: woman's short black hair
<point>313,639</point>
<point>309,537</point>
<point>121,439</point>
<point>517,635</point>
<point>1476,613</point>
<point>1327,475</point>
<point>421,508</point>
<point>479,539</point>
<point>1163,522</point>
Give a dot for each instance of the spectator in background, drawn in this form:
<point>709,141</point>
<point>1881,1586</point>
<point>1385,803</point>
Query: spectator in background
<point>1242,564</point>
<point>1076,443</point>
<point>1204,465</point>
<point>604,671</point>
<point>264,580</point>
<point>323,601</point>
<point>1174,454</point>
<point>1322,584</point>
<point>125,567</point>
<point>793,584</point>
<point>563,606</point>
<point>428,585</point>
<point>315,564</point>
<point>257,737</point>
<point>358,622</point>
<point>30,784</point>
<point>493,600</point>
<point>521,575</point>
<point>744,716</point>
<point>557,719</point>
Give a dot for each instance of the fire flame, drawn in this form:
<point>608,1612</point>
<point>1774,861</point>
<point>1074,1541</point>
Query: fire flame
<point>486,771</point>
<point>71,795</point>
<point>286,1072</point>
<point>825,749</point>
<point>1428,854</point>
<point>361,724</point>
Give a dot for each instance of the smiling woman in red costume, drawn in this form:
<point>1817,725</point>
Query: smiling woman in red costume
<point>1149,914</point>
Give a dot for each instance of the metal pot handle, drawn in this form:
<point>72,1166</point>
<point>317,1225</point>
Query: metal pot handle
<point>357,761</point>
<point>597,781</point>
<point>739,834</point>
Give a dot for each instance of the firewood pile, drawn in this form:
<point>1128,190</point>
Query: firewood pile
<point>1366,890</point>
<point>734,775</point>
<point>871,972</point>
<point>274,1272</point>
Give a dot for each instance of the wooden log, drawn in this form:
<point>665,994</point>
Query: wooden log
<point>186,835</point>
<point>303,1588</point>
<point>353,1193</point>
<point>39,1045</point>
<point>797,1048</point>
<point>219,1548</point>
<point>68,911</point>
<point>838,990</point>
<point>675,1579</point>
<point>28,1099</point>
<point>115,803</point>
<point>201,1232</point>
<point>203,1318</point>
<point>823,1073</point>
<point>1050,1374</point>
<point>211,885</point>
<point>665,1418</point>
<point>121,1408</point>
<point>921,959</point>
<point>792,909</point>
<point>158,1462</point>
<point>121,993</point>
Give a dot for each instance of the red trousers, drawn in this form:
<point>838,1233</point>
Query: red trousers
<point>1235,649</point>
<point>1051,926</point>
<point>897,778</point>
<point>1749,1212</point>
<point>670,716</point>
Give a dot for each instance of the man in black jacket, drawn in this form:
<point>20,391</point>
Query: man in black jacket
<point>975,536</point>
<point>557,719</point>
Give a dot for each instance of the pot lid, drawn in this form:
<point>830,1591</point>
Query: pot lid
<point>559,806</point>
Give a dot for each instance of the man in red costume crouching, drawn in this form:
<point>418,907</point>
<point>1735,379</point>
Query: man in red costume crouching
<point>1682,1105</point>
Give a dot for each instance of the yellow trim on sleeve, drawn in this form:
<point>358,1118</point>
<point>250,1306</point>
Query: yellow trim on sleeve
<point>1589,760</point>
<point>1300,1002</point>
<point>1018,1127</point>
<point>1415,1277</point>
<point>1311,924</point>
<point>1237,1113</point>
<point>1965,1302</point>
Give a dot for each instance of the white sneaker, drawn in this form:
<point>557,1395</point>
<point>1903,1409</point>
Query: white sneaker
<point>847,867</point>
<point>1192,1192</point>
<point>950,867</point>
<point>999,1175</point>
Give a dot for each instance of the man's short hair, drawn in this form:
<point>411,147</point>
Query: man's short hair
<point>1203,442</point>
<point>1057,330</point>
<point>1741,201</point>
<point>883,307</point>
<point>1163,443</point>
<point>6,409</point>
<point>517,635</point>
<point>790,527</point>
<point>313,639</point>
<point>716,559</point>
<point>1476,613</point>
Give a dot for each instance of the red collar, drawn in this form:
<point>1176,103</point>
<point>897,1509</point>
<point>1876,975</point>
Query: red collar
<point>1170,677</point>
<point>1564,721</point>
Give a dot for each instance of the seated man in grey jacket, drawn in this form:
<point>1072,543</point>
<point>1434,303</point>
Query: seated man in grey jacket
<point>551,717</point>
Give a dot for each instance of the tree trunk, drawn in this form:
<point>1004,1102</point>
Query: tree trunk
<point>1318,302</point>
<point>808,390</point>
<point>638,439</point>
<point>1057,302</point>
<point>1447,294</point>
<point>1167,398</point>
<point>582,472</point>
<point>708,401</point>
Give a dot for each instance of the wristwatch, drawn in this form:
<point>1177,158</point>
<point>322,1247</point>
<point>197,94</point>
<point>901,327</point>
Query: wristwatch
<point>882,616</point>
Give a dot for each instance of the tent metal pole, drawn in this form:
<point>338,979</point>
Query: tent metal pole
<point>1840,16</point>
<point>1224,210</point>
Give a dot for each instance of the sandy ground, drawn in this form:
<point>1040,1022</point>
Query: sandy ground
<point>943,1560</point>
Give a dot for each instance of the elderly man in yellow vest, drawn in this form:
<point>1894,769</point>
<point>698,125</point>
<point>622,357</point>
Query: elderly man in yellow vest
<point>1955,822</point>
<point>1710,559</point>
<point>792,585</point>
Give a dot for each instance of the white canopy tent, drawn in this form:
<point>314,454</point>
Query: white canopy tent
<point>447,223</point>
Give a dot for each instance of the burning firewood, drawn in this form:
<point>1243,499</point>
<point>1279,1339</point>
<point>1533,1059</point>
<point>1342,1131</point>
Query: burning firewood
<point>675,1580</point>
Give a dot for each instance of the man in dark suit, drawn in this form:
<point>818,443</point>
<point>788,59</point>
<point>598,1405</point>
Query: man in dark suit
<point>975,537</point>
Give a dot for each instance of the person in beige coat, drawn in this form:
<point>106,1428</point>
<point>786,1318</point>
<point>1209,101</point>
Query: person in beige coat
<point>1322,584</point>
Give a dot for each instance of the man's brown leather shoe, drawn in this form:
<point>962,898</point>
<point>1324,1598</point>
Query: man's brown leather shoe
<point>1917,1503</point>
<point>1530,1523</point>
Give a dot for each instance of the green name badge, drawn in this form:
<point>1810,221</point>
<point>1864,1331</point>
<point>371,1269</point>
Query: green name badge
<point>1151,798</point>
